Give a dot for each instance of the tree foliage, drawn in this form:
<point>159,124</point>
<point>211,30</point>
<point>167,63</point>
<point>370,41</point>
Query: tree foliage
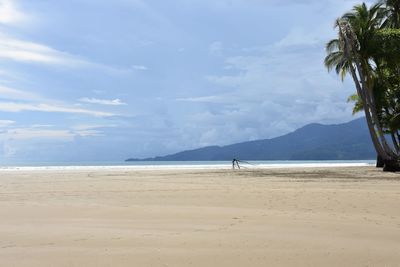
<point>388,43</point>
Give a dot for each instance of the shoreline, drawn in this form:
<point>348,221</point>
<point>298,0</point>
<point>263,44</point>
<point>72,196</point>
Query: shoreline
<point>178,167</point>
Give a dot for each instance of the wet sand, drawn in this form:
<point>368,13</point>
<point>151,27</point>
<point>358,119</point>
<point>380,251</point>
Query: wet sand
<point>275,217</point>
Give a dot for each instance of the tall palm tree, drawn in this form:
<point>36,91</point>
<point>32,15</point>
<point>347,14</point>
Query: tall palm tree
<point>352,53</point>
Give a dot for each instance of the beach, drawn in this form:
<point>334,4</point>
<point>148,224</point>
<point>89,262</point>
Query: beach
<point>342,216</point>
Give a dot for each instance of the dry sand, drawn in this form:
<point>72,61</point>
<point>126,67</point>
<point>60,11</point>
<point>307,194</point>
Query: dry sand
<point>286,217</point>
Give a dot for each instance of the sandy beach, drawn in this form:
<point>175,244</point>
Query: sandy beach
<point>263,217</point>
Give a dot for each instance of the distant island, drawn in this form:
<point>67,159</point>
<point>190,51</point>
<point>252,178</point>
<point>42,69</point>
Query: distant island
<point>346,141</point>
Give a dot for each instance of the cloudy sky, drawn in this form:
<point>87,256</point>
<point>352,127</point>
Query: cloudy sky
<point>95,80</point>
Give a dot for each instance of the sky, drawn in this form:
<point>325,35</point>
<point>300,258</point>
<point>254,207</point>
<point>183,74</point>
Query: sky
<point>97,80</point>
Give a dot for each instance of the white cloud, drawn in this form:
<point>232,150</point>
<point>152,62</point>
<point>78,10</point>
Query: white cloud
<point>205,99</point>
<point>6,123</point>
<point>26,51</point>
<point>86,130</point>
<point>9,13</point>
<point>34,102</point>
<point>87,133</point>
<point>16,141</point>
<point>300,36</point>
<point>33,133</point>
<point>112,102</point>
<point>271,92</point>
<point>15,94</point>
<point>19,107</point>
<point>20,140</point>
<point>42,126</point>
<point>31,52</point>
<point>84,127</point>
<point>139,67</point>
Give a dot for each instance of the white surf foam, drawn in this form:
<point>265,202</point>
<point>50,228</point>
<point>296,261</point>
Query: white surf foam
<point>188,167</point>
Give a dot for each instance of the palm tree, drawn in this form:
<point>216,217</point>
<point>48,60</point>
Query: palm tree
<point>352,53</point>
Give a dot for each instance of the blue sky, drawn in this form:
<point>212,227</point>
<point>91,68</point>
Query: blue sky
<point>95,80</point>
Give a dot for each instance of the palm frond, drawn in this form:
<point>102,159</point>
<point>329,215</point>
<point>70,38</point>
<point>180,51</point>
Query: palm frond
<point>332,45</point>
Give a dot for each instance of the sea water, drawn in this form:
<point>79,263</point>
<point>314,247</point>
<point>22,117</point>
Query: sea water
<point>171,165</point>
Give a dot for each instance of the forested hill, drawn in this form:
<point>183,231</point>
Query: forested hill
<point>347,141</point>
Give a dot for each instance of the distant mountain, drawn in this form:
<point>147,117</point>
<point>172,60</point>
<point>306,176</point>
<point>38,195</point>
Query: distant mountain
<point>347,141</point>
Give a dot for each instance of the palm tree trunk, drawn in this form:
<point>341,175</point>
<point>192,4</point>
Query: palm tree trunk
<point>395,143</point>
<point>379,162</point>
<point>393,133</point>
<point>370,103</point>
<point>378,147</point>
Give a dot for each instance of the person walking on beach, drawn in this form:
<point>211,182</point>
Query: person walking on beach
<point>235,161</point>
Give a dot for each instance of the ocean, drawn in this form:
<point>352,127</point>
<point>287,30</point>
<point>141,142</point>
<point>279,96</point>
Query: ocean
<point>166,165</point>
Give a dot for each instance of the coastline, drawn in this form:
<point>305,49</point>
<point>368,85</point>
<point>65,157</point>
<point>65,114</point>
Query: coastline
<point>218,165</point>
